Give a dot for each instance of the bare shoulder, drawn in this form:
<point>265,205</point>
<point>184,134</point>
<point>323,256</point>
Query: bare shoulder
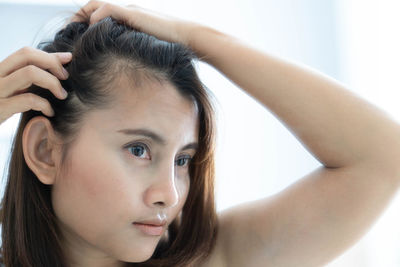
<point>217,257</point>
<point>238,236</point>
<point>232,224</point>
<point>328,211</point>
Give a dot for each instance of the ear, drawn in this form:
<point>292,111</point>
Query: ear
<point>41,149</point>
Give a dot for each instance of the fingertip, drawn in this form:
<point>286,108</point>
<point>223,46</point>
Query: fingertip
<point>75,18</point>
<point>97,15</point>
<point>71,20</point>
<point>50,113</point>
<point>64,93</point>
<point>65,56</point>
<point>65,73</point>
<point>92,20</point>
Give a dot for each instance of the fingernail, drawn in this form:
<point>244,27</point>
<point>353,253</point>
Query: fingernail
<point>65,72</point>
<point>64,93</point>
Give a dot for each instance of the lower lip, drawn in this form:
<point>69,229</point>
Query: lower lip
<point>149,229</point>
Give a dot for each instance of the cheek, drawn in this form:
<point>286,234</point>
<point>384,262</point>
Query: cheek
<point>183,186</point>
<point>92,182</point>
<point>93,196</point>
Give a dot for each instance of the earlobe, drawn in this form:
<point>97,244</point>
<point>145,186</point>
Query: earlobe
<point>40,149</point>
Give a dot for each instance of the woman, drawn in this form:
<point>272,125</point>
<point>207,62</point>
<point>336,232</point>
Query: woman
<point>92,196</point>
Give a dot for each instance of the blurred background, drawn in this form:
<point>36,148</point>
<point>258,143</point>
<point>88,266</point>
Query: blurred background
<point>355,42</point>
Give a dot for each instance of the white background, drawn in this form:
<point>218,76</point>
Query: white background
<point>355,42</point>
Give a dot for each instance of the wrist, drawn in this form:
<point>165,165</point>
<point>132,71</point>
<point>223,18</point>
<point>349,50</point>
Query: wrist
<point>188,31</point>
<point>203,40</point>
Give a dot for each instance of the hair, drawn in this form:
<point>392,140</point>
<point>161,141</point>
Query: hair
<point>101,53</point>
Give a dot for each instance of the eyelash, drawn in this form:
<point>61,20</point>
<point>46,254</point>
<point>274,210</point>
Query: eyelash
<point>187,157</point>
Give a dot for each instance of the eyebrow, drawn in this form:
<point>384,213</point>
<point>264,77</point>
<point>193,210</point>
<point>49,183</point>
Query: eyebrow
<point>156,137</point>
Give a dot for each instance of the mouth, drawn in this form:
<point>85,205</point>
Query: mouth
<point>150,229</point>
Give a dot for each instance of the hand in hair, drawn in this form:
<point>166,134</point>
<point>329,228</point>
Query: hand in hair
<point>163,27</point>
<point>23,68</point>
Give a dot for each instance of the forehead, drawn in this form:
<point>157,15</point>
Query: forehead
<point>154,105</point>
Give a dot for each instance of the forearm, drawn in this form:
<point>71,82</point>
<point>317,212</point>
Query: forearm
<point>336,126</point>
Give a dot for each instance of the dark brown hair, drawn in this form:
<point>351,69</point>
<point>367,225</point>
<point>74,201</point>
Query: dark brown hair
<point>101,53</point>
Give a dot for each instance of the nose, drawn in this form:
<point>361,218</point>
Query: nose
<point>163,191</point>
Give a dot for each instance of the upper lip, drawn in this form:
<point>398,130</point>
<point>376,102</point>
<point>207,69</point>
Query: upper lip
<point>155,222</point>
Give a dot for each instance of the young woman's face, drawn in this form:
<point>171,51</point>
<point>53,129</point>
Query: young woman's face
<point>119,176</point>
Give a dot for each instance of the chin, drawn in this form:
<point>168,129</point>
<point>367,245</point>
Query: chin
<point>138,255</point>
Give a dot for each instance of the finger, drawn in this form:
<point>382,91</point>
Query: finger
<point>23,78</point>
<point>117,12</point>
<point>85,12</point>
<point>25,102</point>
<point>100,13</point>
<point>31,56</point>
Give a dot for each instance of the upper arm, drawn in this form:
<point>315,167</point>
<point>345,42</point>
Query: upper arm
<point>309,223</point>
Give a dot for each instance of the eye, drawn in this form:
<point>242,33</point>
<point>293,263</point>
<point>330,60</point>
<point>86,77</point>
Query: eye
<point>184,161</point>
<point>138,150</point>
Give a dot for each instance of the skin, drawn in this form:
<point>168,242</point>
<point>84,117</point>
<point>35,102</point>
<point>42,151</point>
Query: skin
<point>326,211</point>
<point>23,68</point>
<point>107,186</point>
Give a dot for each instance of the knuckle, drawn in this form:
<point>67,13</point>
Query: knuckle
<point>56,83</point>
<point>93,2</point>
<point>26,50</point>
<point>56,63</point>
<point>30,71</point>
<point>46,104</point>
<point>53,58</point>
<point>31,99</point>
<point>107,7</point>
<point>36,101</point>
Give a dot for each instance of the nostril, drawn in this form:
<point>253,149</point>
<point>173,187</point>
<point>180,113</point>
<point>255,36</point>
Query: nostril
<point>160,203</point>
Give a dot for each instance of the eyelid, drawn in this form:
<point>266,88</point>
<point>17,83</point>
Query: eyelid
<point>138,142</point>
